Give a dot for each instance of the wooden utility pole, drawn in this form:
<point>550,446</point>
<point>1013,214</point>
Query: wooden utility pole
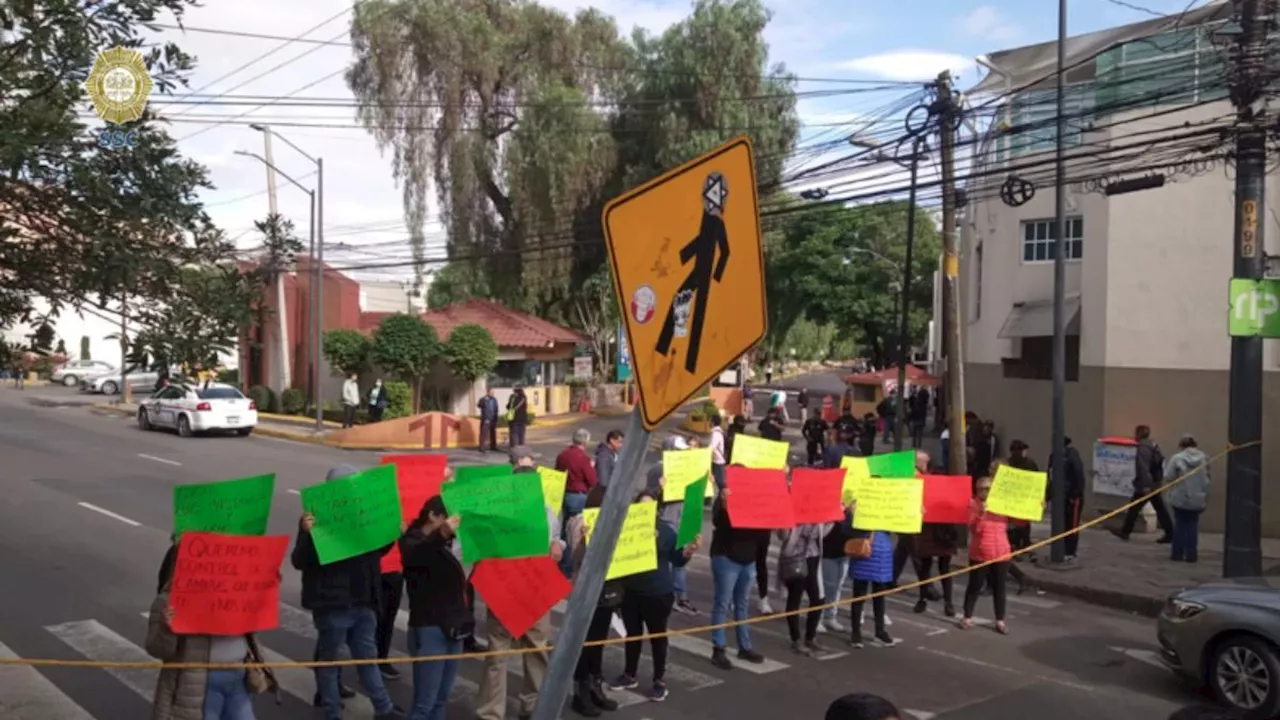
<point>951,277</point>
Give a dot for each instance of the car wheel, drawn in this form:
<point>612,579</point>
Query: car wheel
<point>1244,673</point>
<point>144,422</point>
<point>109,388</point>
<point>184,426</point>
<point>70,381</point>
<point>244,432</point>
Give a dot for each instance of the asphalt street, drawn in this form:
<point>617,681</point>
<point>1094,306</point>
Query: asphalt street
<point>86,510</point>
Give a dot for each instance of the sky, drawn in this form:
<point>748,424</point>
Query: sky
<point>841,39</point>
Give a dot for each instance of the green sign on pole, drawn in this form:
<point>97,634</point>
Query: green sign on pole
<point>1255,308</point>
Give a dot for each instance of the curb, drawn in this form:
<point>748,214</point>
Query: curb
<point>295,420</point>
<point>1143,605</point>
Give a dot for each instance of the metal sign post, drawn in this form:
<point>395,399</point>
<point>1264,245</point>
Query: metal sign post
<point>590,580</point>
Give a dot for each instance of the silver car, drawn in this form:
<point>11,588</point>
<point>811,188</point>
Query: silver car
<point>139,380</point>
<point>73,372</point>
<point>1226,635</point>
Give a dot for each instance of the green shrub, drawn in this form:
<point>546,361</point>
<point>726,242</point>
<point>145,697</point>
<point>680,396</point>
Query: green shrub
<point>293,401</point>
<point>399,399</point>
<point>264,397</point>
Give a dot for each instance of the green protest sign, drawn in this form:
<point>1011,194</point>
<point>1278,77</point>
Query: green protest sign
<point>354,515</point>
<point>503,517</point>
<point>691,517</point>
<point>900,464</point>
<point>465,473</point>
<point>229,507</point>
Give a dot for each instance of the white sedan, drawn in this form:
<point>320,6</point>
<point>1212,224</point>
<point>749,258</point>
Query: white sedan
<point>192,409</point>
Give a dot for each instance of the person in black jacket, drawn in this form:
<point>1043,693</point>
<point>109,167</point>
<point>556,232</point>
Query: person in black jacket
<point>814,431</point>
<point>1074,473</point>
<point>738,425</point>
<point>439,614</point>
<point>518,416</point>
<point>342,597</point>
<point>733,567</point>
<point>770,427</point>
<point>867,438</point>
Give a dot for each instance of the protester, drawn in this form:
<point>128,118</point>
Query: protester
<point>440,617</point>
<point>1148,474</point>
<point>607,456</point>
<point>936,542</point>
<point>770,427</point>
<point>517,416</point>
<point>669,513</point>
<point>814,431</point>
<point>719,452</point>
<point>350,400</point>
<point>488,407</point>
<point>1074,471</point>
<point>867,435</point>
<point>1189,468</point>
<point>918,415</point>
<point>392,592</point>
<point>580,478</point>
<point>778,401</point>
<point>733,564</point>
<point>1020,530</point>
<point>739,425</point>
<point>200,693</point>
<point>343,598</point>
<point>589,698</point>
<point>871,566</point>
<point>647,601</point>
<point>988,541</point>
<point>799,572</point>
<point>862,706</point>
<point>491,698</point>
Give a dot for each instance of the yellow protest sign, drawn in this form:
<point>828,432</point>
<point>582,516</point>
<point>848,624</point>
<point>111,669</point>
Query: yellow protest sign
<point>758,453</point>
<point>637,549</point>
<point>682,468</point>
<point>890,504</point>
<point>1017,493</point>
<point>856,470</point>
<point>553,487</point>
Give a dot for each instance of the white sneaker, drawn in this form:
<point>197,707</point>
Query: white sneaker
<point>888,621</point>
<point>833,625</point>
<point>764,607</point>
<point>821,629</point>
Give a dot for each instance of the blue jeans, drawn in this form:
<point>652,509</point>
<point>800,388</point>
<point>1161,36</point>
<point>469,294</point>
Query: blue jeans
<point>226,697</point>
<point>432,681</point>
<point>834,572</point>
<point>573,505</point>
<point>733,584</point>
<point>717,476</point>
<point>1186,535</point>
<point>356,628</point>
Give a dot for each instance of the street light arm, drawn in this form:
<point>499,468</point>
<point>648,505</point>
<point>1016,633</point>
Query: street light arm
<point>283,139</point>
<point>280,172</point>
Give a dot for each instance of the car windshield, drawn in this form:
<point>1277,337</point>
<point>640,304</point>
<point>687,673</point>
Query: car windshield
<point>218,393</point>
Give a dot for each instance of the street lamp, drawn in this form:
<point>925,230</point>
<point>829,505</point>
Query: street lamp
<point>317,267</point>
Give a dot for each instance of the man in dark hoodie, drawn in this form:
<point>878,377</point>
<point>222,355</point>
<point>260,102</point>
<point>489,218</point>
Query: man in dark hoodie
<point>343,598</point>
<point>607,456</point>
<point>1148,474</point>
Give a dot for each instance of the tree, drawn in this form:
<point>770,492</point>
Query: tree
<point>202,321</point>
<point>471,354</point>
<point>280,249</point>
<point>84,348</point>
<point>596,313</point>
<point>347,351</point>
<point>41,339</point>
<point>62,348</point>
<point>454,283</point>
<point>407,347</point>
<point>85,225</point>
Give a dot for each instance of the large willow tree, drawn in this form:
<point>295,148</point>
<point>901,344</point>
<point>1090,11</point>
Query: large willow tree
<point>523,121</point>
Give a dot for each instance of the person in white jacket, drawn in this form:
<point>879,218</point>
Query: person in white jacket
<point>1188,497</point>
<point>350,400</point>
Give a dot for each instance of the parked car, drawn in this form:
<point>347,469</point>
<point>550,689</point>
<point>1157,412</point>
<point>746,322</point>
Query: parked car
<point>1226,634</point>
<point>192,409</point>
<point>73,372</point>
<point>109,384</point>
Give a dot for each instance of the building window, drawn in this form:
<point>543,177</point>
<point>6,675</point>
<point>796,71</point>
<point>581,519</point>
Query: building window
<point>1033,125</point>
<point>1036,361</point>
<point>1039,238</point>
<point>1175,68</point>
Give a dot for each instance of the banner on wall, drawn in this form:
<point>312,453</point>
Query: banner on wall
<point>624,357</point>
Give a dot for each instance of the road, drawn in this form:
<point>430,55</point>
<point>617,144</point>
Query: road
<point>86,512</point>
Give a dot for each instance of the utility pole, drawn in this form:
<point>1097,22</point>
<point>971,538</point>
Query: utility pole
<point>1243,538</point>
<point>904,342</point>
<point>318,341</point>
<point>282,374</point>
<point>124,349</point>
<point>951,276</point>
<point>1058,461</point>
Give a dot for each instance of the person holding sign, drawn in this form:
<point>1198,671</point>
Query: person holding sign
<point>799,558</point>
<point>343,598</point>
<point>647,600</point>
<point>439,615</point>
<point>835,567</point>
<point>871,565</point>
<point>205,694</point>
<point>988,542</point>
<point>733,565</point>
<point>589,697</point>
<point>670,514</point>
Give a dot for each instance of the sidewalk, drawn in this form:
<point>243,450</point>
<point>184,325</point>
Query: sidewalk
<point>1135,576</point>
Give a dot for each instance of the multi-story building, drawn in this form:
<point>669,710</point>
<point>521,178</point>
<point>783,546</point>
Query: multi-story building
<point>1147,272</point>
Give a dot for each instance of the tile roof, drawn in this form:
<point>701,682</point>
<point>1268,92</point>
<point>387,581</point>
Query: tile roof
<point>510,328</point>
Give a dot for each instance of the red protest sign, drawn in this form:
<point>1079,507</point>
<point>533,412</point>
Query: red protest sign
<point>946,498</point>
<point>815,495</point>
<point>419,477</point>
<point>226,584</point>
<point>520,592</point>
<point>759,499</point>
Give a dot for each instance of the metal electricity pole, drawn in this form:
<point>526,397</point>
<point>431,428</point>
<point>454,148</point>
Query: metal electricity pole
<point>951,342</point>
<point>904,304</point>
<point>1058,461</point>
<point>1242,556</point>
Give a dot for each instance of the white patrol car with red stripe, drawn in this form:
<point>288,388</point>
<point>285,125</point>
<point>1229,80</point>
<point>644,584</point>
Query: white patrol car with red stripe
<point>196,408</point>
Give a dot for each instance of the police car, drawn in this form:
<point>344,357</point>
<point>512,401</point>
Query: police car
<point>197,408</point>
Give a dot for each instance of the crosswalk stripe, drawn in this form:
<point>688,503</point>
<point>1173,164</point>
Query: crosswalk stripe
<point>26,694</point>
<point>96,641</point>
<point>697,646</point>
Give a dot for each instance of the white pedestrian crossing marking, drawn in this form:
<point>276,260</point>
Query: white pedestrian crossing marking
<point>25,694</point>
<point>697,646</point>
<point>96,641</point>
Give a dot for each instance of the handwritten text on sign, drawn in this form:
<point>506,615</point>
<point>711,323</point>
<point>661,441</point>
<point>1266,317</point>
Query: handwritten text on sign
<point>1017,494</point>
<point>553,484</point>
<point>754,452</point>
<point>681,468</point>
<point>226,584</point>
<point>637,549</point>
<point>890,504</point>
<point>502,517</point>
<point>234,507</point>
<point>355,515</point>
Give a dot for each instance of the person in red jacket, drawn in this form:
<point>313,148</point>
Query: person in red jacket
<point>580,476</point>
<point>988,541</point>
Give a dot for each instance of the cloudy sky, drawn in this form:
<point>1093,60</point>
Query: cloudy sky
<point>843,39</point>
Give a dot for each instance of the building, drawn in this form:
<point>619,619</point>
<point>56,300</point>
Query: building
<point>1147,272</point>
